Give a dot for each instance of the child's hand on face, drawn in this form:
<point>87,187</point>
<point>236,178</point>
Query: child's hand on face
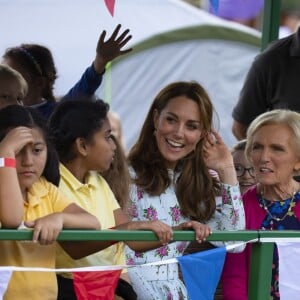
<point>14,141</point>
<point>46,229</point>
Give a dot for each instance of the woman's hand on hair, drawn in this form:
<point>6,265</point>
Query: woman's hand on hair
<point>216,154</point>
<point>217,157</point>
<point>14,141</point>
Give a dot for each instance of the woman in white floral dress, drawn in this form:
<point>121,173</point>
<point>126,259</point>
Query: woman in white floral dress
<point>171,167</point>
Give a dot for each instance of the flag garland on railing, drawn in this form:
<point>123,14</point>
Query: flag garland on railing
<point>99,282</point>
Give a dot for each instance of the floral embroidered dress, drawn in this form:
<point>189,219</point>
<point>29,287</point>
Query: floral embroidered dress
<point>162,281</point>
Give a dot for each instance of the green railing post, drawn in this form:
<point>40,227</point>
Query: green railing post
<point>261,271</point>
<point>271,21</point>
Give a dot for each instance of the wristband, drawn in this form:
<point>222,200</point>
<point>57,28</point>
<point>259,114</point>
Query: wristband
<point>7,162</point>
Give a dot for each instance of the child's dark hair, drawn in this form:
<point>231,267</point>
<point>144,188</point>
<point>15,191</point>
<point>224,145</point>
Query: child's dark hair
<point>117,176</point>
<point>38,61</point>
<point>75,119</point>
<point>14,116</point>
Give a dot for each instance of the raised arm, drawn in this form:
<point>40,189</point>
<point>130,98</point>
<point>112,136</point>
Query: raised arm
<point>11,198</point>
<point>106,51</point>
<point>230,215</point>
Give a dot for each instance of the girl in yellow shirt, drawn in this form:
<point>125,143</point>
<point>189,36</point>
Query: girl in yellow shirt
<point>28,194</point>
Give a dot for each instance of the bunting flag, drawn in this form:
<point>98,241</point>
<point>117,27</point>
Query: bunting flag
<point>201,272</point>
<point>289,270</point>
<point>110,4</point>
<point>96,285</point>
<point>215,5</point>
<point>4,280</point>
<point>236,9</point>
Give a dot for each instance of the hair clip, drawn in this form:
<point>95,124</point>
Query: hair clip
<point>33,60</point>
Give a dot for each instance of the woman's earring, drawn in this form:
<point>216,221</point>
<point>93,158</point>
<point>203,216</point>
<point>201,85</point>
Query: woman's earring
<point>154,132</point>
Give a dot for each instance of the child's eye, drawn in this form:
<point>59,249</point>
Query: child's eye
<point>238,168</point>
<point>38,150</point>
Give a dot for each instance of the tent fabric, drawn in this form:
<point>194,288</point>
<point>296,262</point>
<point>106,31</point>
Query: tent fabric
<point>172,40</point>
<point>217,57</point>
<point>236,9</point>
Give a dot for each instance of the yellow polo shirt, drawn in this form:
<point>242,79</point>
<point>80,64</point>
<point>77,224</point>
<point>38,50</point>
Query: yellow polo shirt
<point>96,197</point>
<point>43,199</point>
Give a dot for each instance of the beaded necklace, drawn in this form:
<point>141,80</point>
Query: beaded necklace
<point>265,207</point>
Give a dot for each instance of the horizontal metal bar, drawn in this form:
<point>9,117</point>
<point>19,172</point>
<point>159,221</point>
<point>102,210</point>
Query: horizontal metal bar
<point>130,235</point>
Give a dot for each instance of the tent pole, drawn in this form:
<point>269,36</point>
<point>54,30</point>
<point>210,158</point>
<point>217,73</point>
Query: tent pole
<point>271,22</point>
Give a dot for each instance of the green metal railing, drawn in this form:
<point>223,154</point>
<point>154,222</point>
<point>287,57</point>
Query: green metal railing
<point>261,259</point>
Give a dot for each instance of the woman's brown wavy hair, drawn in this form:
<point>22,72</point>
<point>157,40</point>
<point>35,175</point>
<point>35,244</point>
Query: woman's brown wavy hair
<point>195,188</point>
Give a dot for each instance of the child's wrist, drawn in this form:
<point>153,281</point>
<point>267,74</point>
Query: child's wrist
<point>7,162</point>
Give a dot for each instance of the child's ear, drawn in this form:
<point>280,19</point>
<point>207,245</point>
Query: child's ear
<point>80,144</point>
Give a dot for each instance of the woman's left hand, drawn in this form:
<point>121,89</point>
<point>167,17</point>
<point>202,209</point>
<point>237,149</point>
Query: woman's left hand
<point>202,231</point>
<point>216,154</point>
<point>218,158</point>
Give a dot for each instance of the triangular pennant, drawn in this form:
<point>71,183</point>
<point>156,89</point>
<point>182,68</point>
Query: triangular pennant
<point>110,4</point>
<point>201,272</point>
<point>215,5</point>
<point>289,270</point>
<point>98,285</point>
<point>4,280</point>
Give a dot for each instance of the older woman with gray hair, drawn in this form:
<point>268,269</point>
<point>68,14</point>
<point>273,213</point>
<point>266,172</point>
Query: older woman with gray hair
<point>273,148</point>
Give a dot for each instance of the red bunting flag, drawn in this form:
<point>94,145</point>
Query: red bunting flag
<point>110,4</point>
<point>96,285</point>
